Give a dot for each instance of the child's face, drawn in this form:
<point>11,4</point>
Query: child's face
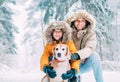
<point>80,23</point>
<point>57,34</point>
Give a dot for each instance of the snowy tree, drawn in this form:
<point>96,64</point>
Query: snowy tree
<point>33,37</point>
<point>7,29</point>
<point>103,15</point>
<point>55,10</point>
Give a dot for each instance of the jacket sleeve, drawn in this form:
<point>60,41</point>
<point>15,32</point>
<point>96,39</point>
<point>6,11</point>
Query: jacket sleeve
<point>71,46</point>
<point>89,47</point>
<point>74,63</point>
<point>44,57</point>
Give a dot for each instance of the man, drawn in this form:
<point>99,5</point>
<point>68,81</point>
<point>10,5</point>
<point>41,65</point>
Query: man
<point>84,37</point>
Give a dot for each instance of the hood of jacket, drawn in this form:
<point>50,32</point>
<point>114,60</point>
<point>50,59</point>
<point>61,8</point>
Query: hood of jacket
<point>82,14</point>
<point>61,25</point>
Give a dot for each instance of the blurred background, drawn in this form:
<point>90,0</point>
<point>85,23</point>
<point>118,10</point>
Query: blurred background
<point>23,22</point>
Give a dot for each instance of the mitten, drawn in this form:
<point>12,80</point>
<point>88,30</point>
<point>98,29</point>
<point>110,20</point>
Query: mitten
<point>50,58</point>
<point>75,56</point>
<point>69,75</point>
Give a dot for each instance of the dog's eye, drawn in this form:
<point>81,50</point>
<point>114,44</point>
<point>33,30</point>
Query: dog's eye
<point>56,49</point>
<point>63,49</point>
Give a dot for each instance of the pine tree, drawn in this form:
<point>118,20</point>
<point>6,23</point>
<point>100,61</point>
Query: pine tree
<point>55,10</point>
<point>7,29</point>
<point>103,15</point>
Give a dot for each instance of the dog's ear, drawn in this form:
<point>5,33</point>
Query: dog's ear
<point>53,52</point>
<point>68,52</point>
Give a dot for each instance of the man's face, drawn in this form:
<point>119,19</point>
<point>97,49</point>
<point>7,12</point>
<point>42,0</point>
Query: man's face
<point>80,23</point>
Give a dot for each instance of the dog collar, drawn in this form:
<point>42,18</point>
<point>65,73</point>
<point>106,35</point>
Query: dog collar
<point>57,61</point>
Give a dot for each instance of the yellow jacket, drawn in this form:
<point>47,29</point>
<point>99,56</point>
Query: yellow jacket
<point>48,51</point>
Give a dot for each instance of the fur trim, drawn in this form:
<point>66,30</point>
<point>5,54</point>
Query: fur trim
<point>82,14</point>
<point>61,25</point>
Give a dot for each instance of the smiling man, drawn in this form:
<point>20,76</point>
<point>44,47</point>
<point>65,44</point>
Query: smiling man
<point>84,38</point>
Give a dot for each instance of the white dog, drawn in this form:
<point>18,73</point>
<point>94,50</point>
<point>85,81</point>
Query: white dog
<point>61,56</point>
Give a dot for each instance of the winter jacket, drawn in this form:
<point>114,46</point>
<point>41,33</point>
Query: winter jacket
<point>51,43</point>
<point>85,40</point>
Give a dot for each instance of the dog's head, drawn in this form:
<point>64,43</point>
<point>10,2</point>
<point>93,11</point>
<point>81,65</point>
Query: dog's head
<point>61,52</point>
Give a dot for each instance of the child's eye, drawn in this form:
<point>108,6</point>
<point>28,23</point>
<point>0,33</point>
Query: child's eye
<point>56,49</point>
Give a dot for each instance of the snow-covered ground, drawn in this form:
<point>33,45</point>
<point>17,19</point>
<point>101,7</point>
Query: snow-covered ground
<point>36,77</point>
<point>21,77</point>
<point>107,76</point>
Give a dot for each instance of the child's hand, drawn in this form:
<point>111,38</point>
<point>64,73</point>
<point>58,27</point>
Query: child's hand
<point>50,71</point>
<point>69,75</point>
<point>50,58</point>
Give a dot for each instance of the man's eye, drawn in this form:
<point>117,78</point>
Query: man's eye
<point>63,49</point>
<point>56,49</point>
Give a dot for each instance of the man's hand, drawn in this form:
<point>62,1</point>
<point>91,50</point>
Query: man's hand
<point>75,56</point>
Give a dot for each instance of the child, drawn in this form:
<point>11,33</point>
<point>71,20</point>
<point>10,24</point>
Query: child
<point>58,33</point>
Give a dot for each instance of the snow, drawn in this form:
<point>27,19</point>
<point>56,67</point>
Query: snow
<point>109,76</point>
<point>20,77</point>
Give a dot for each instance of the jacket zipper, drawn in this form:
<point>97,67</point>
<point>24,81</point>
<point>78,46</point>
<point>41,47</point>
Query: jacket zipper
<point>81,44</point>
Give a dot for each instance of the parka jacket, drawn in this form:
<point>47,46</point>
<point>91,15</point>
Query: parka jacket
<point>85,40</point>
<point>66,39</point>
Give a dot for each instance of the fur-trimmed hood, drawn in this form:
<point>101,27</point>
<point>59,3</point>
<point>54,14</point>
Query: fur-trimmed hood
<point>82,14</point>
<point>61,25</point>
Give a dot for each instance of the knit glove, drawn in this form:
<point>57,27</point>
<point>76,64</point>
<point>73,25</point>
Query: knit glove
<point>49,71</point>
<point>75,56</point>
<point>71,74</point>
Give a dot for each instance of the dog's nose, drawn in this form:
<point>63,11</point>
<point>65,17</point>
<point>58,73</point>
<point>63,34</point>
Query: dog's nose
<point>59,54</point>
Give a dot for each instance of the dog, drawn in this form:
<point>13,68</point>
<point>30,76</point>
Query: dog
<point>60,63</point>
